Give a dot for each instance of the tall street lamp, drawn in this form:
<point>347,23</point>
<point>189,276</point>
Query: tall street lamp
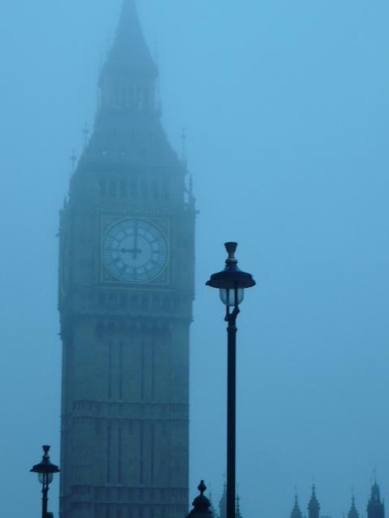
<point>45,470</point>
<point>231,283</point>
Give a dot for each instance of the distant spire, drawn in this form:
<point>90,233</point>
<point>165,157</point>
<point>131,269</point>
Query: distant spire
<point>313,506</point>
<point>353,513</point>
<point>223,502</point>
<point>375,493</point>
<point>238,514</point>
<point>296,511</point>
<point>375,507</point>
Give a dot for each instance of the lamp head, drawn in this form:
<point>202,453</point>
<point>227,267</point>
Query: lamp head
<point>45,469</point>
<point>231,281</point>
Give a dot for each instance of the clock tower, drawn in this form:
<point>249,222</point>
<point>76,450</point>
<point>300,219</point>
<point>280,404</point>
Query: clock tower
<point>126,289</point>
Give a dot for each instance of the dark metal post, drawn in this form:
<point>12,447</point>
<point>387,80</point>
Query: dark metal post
<point>45,489</point>
<point>231,411</point>
<point>231,282</point>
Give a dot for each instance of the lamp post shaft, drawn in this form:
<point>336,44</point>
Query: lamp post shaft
<point>231,283</point>
<point>45,490</point>
<point>231,413</point>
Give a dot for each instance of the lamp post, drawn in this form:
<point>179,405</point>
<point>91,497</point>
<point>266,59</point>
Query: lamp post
<point>231,283</point>
<point>45,470</point>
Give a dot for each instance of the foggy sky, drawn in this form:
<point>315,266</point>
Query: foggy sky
<point>286,107</point>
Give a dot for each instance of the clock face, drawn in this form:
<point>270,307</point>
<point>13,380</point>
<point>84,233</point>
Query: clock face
<point>134,250</point>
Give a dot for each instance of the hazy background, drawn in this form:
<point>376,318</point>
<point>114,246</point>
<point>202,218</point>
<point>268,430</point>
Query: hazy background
<point>286,106</point>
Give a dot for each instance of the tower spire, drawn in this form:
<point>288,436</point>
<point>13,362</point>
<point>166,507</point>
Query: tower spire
<point>128,77</point>
<point>129,50</point>
<point>375,507</point>
<point>353,513</point>
<point>127,128</point>
<point>313,506</point>
<point>296,511</point>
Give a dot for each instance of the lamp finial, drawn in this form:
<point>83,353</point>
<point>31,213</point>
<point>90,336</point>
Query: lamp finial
<point>231,247</point>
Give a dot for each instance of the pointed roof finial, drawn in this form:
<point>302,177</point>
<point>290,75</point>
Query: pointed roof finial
<point>201,504</point>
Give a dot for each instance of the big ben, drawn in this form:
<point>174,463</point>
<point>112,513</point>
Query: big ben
<point>126,290</point>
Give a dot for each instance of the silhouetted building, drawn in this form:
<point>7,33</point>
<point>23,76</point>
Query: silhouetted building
<point>375,507</point>
<point>125,299</point>
<point>313,507</point>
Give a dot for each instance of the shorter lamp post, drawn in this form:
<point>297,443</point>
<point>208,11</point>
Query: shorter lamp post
<point>231,283</point>
<point>45,470</point>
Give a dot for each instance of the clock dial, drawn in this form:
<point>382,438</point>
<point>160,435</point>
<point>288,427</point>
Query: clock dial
<point>134,250</point>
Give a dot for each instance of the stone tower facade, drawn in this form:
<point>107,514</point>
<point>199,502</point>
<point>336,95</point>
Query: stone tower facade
<point>125,298</point>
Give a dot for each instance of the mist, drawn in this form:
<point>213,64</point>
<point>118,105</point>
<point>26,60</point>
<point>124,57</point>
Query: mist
<point>286,108</point>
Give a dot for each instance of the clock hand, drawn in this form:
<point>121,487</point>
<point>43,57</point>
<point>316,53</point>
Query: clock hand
<point>135,250</point>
